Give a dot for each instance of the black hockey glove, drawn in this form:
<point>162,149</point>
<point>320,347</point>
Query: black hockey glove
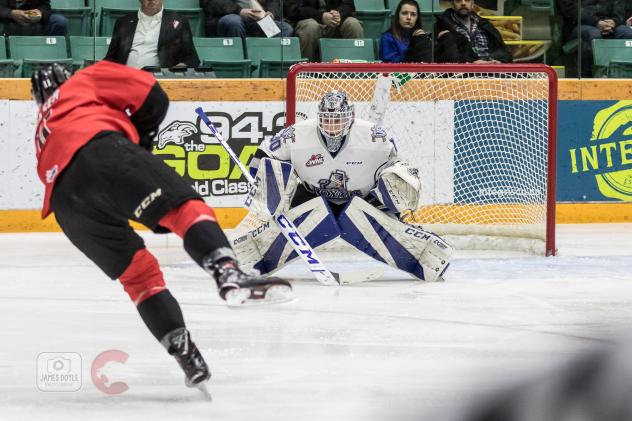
<point>147,139</point>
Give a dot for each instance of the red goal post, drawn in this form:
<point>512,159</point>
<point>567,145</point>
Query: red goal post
<point>483,137</point>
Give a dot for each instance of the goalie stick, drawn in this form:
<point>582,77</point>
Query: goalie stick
<point>287,227</point>
<point>377,111</point>
<point>382,94</point>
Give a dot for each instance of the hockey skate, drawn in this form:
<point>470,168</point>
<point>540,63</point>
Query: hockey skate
<point>238,288</point>
<point>179,344</point>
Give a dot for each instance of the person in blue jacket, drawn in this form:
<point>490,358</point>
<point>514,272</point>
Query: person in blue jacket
<point>405,41</point>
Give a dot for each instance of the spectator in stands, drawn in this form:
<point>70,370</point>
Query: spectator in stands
<point>465,37</point>
<point>316,19</point>
<point>30,17</point>
<point>238,18</point>
<point>152,37</point>
<point>599,19</point>
<point>405,41</point>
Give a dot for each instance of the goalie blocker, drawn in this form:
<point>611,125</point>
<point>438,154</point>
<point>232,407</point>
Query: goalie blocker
<point>260,245</point>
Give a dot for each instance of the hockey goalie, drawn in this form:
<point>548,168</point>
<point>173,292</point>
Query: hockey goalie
<point>338,178</point>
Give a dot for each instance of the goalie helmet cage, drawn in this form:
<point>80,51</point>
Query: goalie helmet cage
<point>482,136</point>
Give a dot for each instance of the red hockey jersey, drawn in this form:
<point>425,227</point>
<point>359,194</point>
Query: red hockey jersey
<point>100,97</point>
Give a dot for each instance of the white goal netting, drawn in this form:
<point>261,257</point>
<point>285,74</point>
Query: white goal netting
<point>480,140</point>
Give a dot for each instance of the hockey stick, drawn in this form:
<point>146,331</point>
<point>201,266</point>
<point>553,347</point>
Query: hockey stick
<point>377,111</point>
<point>287,227</point>
<point>381,98</point>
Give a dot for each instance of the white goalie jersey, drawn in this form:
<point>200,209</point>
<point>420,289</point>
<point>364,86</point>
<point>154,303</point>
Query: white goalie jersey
<point>352,171</point>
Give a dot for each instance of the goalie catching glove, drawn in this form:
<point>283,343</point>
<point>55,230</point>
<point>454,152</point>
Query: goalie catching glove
<point>399,188</point>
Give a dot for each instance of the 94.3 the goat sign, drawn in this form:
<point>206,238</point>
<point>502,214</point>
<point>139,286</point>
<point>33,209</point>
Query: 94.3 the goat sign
<point>193,152</point>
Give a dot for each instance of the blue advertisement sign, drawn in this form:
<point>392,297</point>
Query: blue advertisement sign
<point>594,151</point>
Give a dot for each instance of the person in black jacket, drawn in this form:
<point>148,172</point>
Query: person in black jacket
<point>30,17</point>
<point>152,37</point>
<point>315,21</point>
<point>465,37</point>
<point>405,41</point>
<point>597,19</point>
<point>237,18</point>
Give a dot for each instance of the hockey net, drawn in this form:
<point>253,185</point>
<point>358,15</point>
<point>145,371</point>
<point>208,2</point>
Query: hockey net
<point>482,137</point>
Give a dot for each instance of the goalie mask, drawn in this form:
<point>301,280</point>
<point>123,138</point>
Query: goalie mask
<point>335,117</point>
<point>46,80</point>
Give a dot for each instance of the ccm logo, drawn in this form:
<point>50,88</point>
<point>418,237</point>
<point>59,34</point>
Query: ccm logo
<point>297,239</point>
<point>417,234</point>
<point>259,230</point>
<point>253,190</point>
<point>440,244</point>
<point>146,202</point>
<point>240,239</point>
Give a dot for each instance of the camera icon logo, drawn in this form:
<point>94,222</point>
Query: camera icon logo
<point>58,372</point>
<point>58,365</point>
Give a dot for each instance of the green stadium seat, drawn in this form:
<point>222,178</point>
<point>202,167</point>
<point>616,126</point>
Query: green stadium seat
<point>369,5</point>
<point>374,17</point>
<point>392,5</point>
<point>107,17</point>
<point>225,55</point>
<point>374,23</point>
<point>430,7</point>
<point>7,66</point>
<point>67,4</point>
<point>3,48</point>
<point>546,6</point>
<point>347,49</point>
<point>88,50</point>
<point>106,12</point>
<point>195,16</point>
<point>29,51</point>
<point>570,46</point>
<point>607,51</point>
<point>272,57</point>
<point>620,69</point>
<point>181,4</point>
<point>115,4</point>
<point>78,14</point>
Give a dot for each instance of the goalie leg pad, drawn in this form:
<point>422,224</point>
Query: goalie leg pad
<point>265,249</point>
<point>274,188</point>
<point>420,253</point>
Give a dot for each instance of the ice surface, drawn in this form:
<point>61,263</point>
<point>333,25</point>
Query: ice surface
<point>371,351</point>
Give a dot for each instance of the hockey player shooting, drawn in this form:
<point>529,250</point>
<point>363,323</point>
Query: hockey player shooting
<point>337,177</point>
<point>94,134</point>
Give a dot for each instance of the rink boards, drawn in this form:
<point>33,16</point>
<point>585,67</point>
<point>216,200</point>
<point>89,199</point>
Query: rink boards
<point>249,110</point>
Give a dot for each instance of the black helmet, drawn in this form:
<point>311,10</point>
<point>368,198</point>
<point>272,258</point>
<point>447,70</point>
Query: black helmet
<point>46,80</point>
